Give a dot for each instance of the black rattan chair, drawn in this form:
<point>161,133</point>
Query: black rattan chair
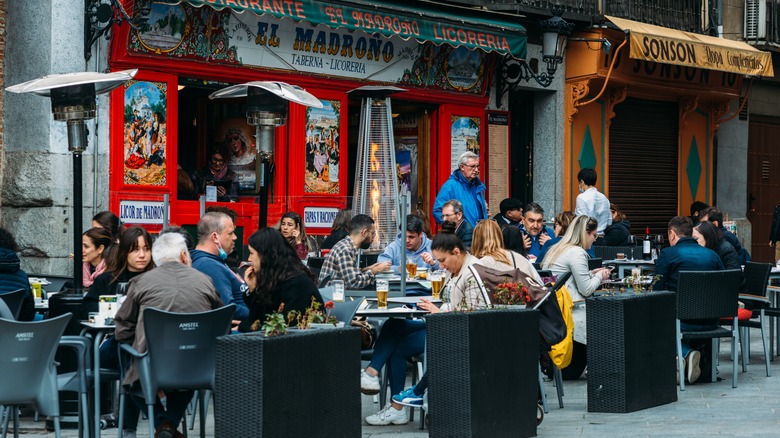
<point>757,279</point>
<point>708,295</point>
<point>611,252</point>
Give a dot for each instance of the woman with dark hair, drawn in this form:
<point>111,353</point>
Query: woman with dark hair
<point>109,221</point>
<point>12,277</point>
<point>132,257</point>
<point>618,232</point>
<point>95,243</point>
<point>291,227</point>
<point>513,240</point>
<point>277,276</point>
<point>339,229</point>
<point>709,236</point>
<point>217,173</point>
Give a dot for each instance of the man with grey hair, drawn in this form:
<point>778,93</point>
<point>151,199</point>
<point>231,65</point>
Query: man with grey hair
<point>465,186</point>
<point>453,212</point>
<point>173,286</point>
<point>217,239</point>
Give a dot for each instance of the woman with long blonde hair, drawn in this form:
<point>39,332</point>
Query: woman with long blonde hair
<point>569,255</point>
<point>487,245</point>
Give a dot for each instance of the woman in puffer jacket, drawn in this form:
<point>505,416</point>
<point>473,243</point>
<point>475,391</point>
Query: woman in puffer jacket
<point>12,277</point>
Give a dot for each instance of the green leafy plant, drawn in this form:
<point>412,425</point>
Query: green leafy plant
<point>315,314</point>
<point>274,323</point>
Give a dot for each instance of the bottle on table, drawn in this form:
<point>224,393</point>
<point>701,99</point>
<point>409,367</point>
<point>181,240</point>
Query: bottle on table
<point>647,245</point>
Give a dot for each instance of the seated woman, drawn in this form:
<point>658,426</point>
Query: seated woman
<point>277,276</point>
<point>291,227</point>
<point>216,173</point>
<point>339,229</point>
<point>710,237</point>
<point>488,246</point>
<point>402,339</point>
<point>569,256</point>
<point>561,223</point>
<point>95,243</point>
<point>12,277</point>
<point>618,232</point>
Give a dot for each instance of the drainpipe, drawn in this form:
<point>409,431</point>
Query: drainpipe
<point>719,9</point>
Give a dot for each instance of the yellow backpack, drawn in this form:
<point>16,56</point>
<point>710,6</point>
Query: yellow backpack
<point>562,351</point>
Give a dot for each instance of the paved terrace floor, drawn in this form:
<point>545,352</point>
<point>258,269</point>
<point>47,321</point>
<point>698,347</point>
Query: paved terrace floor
<point>707,409</point>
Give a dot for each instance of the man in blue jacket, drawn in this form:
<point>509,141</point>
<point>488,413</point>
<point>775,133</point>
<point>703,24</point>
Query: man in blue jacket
<point>417,246</point>
<point>217,239</point>
<point>685,254</point>
<point>465,186</point>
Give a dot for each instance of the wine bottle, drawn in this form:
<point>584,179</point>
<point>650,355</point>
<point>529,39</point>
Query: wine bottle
<point>646,245</point>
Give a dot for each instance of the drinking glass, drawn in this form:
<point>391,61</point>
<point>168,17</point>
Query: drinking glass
<point>382,288</point>
<point>411,268</point>
<point>632,244</point>
<point>437,281</point>
<point>338,290</point>
<point>659,240</point>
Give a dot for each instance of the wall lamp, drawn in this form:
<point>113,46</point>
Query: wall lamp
<point>555,35</point>
<point>100,15</point>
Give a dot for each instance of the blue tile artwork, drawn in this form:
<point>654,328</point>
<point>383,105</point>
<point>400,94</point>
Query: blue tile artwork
<point>693,168</point>
<point>587,156</point>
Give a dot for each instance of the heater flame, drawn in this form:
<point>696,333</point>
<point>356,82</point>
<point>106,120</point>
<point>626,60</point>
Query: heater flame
<point>375,192</point>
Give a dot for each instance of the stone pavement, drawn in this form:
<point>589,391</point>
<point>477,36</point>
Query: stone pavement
<point>703,409</point>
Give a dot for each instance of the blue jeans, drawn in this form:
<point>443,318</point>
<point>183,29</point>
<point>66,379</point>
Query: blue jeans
<point>399,341</point>
<point>684,326</point>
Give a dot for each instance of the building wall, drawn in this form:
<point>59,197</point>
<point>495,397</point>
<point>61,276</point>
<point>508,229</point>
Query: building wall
<point>3,12</point>
<point>44,37</point>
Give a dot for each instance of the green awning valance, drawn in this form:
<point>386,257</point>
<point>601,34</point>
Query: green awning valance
<point>425,21</point>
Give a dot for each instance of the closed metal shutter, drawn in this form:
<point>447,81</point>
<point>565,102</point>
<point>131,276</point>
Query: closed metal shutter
<point>643,163</point>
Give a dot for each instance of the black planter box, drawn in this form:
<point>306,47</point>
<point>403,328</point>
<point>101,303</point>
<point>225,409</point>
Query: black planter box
<point>483,373</point>
<point>302,384</point>
<point>631,351</point>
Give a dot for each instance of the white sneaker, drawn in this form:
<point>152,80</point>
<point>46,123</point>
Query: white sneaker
<point>387,416</point>
<point>692,368</point>
<point>369,385</point>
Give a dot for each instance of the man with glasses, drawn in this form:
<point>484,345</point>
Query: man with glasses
<point>453,212</point>
<point>464,185</point>
<point>216,173</point>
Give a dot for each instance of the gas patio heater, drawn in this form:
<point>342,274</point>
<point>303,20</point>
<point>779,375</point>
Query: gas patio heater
<point>266,108</point>
<point>376,177</point>
<point>73,97</point>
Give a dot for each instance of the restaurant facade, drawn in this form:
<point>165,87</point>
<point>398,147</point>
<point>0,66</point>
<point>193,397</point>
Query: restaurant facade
<point>646,116</point>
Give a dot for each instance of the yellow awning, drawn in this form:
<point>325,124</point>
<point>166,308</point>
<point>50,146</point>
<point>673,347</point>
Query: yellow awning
<point>670,46</point>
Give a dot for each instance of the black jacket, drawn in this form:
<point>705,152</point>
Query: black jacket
<point>774,232</point>
<point>12,278</point>
<point>504,221</point>
<point>334,238</point>
<point>728,255</point>
<point>296,293</point>
<point>617,233</point>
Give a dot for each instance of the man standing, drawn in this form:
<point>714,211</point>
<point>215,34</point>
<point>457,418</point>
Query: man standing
<point>217,239</point>
<point>453,212</point>
<point>511,213</point>
<point>418,247</point>
<point>774,232</point>
<point>591,202</point>
<point>172,286</point>
<point>342,263</point>
<point>685,254</point>
<point>535,233</point>
<point>465,186</point>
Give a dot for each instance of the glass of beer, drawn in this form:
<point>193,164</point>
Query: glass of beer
<point>382,288</point>
<point>411,268</point>
<point>437,280</point>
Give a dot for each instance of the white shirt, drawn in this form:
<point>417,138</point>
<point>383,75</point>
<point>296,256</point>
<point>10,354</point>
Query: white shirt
<point>593,203</point>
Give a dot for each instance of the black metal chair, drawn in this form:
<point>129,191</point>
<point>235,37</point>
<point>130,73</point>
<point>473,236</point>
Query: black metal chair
<point>181,355</point>
<point>34,379</point>
<point>703,296</point>
<point>14,301</point>
<point>756,300</point>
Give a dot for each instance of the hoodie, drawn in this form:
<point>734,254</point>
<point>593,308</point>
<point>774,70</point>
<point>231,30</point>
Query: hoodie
<point>392,253</point>
<point>229,285</point>
<point>12,278</point>
<point>617,233</point>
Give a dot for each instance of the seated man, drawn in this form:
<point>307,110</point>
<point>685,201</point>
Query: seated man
<point>418,247</point>
<point>511,213</point>
<point>715,216</point>
<point>173,286</point>
<point>685,254</point>
<point>535,233</point>
<point>453,211</point>
<point>342,262</point>
<point>217,239</point>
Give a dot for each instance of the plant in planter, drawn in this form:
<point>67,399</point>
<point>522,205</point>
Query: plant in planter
<point>274,323</point>
<point>315,314</point>
<point>510,294</point>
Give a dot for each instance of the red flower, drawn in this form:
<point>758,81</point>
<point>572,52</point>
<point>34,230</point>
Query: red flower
<point>329,305</point>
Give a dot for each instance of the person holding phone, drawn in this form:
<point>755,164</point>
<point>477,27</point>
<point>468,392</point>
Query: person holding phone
<point>535,233</point>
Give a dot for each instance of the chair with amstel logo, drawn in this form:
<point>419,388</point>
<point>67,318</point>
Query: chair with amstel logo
<point>28,368</point>
<point>179,356</point>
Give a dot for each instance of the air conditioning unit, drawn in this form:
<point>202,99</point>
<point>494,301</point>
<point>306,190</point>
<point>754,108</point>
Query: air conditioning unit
<point>755,20</point>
